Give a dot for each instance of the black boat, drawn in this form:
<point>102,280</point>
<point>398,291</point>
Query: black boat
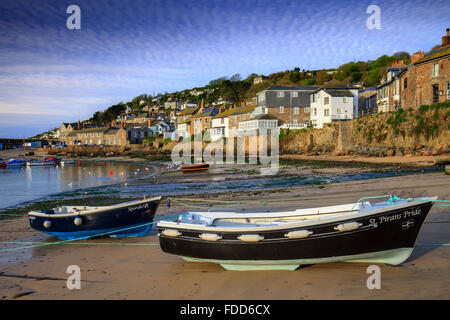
<point>129,219</point>
<point>382,232</point>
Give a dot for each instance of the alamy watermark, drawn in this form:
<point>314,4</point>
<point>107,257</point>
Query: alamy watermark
<point>373,281</point>
<point>259,146</point>
<point>74,280</point>
<point>73,22</point>
<point>374,20</point>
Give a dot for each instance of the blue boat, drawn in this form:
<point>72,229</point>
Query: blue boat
<point>129,219</point>
<point>16,163</point>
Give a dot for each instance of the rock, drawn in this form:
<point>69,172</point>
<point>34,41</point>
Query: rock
<point>390,153</point>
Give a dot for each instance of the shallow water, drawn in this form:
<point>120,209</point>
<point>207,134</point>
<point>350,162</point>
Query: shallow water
<point>18,185</point>
<point>153,188</point>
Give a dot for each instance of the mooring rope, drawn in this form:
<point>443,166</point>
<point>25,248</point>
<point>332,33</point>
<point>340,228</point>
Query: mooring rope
<point>90,236</point>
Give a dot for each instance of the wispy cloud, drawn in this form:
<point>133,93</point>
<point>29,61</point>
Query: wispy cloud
<point>127,48</point>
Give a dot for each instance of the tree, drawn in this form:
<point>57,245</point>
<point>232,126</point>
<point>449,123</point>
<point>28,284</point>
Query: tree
<point>235,77</point>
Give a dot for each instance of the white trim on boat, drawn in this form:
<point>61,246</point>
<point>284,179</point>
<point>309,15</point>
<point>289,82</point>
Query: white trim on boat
<point>83,210</point>
<point>206,225</point>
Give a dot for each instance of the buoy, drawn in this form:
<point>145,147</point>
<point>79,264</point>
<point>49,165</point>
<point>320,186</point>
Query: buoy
<point>250,237</point>
<point>168,203</point>
<point>86,192</point>
<point>348,226</point>
<point>298,234</point>
<point>47,223</point>
<point>210,236</point>
<point>171,233</point>
<point>78,221</point>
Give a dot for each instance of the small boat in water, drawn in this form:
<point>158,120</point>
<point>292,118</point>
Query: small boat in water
<point>15,163</point>
<point>40,162</point>
<point>67,162</point>
<point>129,219</point>
<point>194,167</point>
<point>2,164</point>
<point>382,232</point>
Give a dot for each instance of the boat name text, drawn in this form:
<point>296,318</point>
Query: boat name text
<point>399,216</point>
<point>141,206</point>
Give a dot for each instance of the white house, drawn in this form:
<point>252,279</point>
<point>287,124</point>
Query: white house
<point>262,121</point>
<point>219,127</point>
<point>328,105</point>
<point>159,127</point>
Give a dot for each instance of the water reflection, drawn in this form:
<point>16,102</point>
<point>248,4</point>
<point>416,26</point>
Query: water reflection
<point>28,183</point>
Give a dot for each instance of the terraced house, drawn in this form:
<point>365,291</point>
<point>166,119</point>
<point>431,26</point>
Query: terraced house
<point>427,79</point>
<point>290,104</point>
<point>97,136</point>
<point>226,122</point>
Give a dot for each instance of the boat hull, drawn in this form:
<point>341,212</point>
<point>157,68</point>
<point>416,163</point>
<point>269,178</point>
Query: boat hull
<point>129,221</point>
<point>195,167</point>
<point>385,237</point>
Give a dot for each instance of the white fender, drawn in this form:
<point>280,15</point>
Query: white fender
<point>47,223</point>
<point>171,233</point>
<point>210,236</point>
<point>250,237</point>
<point>298,234</point>
<point>78,221</point>
<point>348,226</point>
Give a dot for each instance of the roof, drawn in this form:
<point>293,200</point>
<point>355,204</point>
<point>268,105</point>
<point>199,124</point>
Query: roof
<point>99,129</point>
<point>264,116</point>
<point>293,88</point>
<point>209,112</point>
<point>435,54</point>
<point>189,111</point>
<point>339,93</point>
<point>235,111</point>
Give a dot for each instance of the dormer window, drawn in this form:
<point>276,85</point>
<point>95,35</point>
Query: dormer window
<point>280,94</point>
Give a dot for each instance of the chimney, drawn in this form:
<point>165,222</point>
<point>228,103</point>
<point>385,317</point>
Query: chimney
<point>446,39</point>
<point>417,56</point>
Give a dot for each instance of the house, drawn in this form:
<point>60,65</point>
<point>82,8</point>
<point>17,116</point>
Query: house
<point>427,79</point>
<point>136,134</point>
<point>388,92</point>
<point>290,104</point>
<point>186,114</point>
<point>225,124</point>
<point>259,79</point>
<point>160,127</point>
<point>329,105</point>
<point>202,121</point>
<point>367,102</point>
<point>252,125</point>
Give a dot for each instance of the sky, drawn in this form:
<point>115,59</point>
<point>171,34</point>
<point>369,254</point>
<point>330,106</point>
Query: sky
<point>124,48</point>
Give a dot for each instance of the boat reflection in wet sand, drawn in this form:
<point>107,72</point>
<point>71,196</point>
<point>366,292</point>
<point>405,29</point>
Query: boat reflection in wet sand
<point>382,232</point>
<point>129,219</point>
<point>194,167</point>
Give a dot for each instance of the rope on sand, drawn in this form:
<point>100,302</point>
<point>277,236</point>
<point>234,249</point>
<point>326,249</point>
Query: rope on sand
<point>84,238</point>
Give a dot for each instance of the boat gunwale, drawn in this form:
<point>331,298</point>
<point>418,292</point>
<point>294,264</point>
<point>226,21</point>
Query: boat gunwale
<point>86,212</point>
<point>293,224</point>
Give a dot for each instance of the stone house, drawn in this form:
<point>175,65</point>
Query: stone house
<point>291,105</point>
<point>427,80</point>
<point>367,102</point>
<point>388,92</point>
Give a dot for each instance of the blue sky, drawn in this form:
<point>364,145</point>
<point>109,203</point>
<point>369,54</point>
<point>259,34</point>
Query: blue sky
<point>50,74</point>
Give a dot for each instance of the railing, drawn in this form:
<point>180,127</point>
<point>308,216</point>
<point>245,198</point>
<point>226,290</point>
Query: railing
<point>294,126</point>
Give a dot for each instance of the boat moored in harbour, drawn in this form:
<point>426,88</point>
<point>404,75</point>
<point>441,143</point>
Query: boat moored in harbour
<point>194,167</point>
<point>15,163</point>
<point>129,219</point>
<point>383,232</point>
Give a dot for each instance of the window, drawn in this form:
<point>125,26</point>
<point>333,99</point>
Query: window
<point>435,70</point>
<point>262,97</point>
<point>294,94</point>
<point>315,111</point>
<point>344,99</point>
<point>339,110</point>
<point>280,94</point>
<point>326,100</point>
<point>281,110</point>
<point>296,110</point>
<point>448,90</point>
<point>326,112</point>
<point>307,109</point>
<point>405,83</point>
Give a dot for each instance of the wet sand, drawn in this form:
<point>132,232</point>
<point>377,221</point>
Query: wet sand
<point>119,270</point>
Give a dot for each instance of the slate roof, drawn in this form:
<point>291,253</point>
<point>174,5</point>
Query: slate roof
<point>293,88</point>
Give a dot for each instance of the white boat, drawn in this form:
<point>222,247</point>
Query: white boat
<point>382,232</point>
<point>67,162</point>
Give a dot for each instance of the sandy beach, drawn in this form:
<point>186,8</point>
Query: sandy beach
<point>136,268</point>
